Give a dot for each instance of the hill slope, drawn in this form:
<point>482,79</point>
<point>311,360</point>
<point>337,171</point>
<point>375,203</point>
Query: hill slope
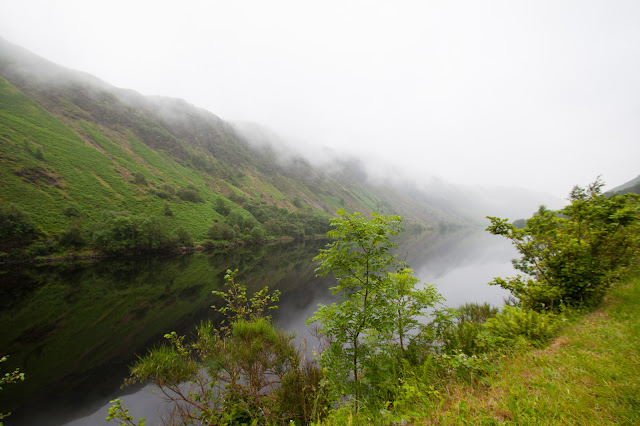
<point>633,186</point>
<point>74,150</point>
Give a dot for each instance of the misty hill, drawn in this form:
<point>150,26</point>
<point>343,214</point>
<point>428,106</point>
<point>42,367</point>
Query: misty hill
<point>78,154</point>
<point>633,186</point>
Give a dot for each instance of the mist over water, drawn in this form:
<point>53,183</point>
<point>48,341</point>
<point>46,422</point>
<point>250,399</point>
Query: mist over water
<point>462,264</point>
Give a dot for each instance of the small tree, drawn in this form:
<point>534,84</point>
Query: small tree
<point>222,207</point>
<point>570,256</point>
<point>379,302</point>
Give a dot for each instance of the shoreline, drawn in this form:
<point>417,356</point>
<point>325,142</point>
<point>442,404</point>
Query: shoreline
<point>200,248</point>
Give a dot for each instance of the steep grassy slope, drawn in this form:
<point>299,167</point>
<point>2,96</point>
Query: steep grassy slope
<point>47,167</point>
<point>73,148</point>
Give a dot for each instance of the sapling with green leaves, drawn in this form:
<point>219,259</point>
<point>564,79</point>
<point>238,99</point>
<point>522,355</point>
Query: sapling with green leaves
<point>379,302</point>
<point>238,307</point>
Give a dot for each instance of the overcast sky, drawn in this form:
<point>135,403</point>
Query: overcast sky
<point>539,94</point>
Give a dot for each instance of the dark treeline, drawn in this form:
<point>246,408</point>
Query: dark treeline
<point>127,233</point>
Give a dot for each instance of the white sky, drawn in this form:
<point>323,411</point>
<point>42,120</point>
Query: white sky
<point>540,94</point>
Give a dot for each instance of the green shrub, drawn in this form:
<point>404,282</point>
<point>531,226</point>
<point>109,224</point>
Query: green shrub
<point>140,179</point>
<point>183,237</point>
<point>163,194</point>
<point>16,228</point>
<point>301,393</point>
<point>476,312</point>
<point>165,365</point>
<point>189,194</point>
<point>570,256</point>
<point>72,211</point>
<point>257,234</point>
<point>238,198</point>
<point>41,248</point>
<point>73,236</point>
<point>221,231</point>
<point>222,207</point>
<point>516,326</point>
<point>462,335</point>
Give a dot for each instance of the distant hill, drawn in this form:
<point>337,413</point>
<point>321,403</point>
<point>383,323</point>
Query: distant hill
<point>633,186</point>
<point>78,154</point>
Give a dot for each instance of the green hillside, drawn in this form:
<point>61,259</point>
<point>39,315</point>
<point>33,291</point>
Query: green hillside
<point>87,166</point>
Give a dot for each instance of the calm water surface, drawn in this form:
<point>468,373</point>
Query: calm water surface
<point>74,328</point>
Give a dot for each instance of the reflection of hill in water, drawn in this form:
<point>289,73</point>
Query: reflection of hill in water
<point>461,264</point>
<point>74,328</point>
<point>440,253</point>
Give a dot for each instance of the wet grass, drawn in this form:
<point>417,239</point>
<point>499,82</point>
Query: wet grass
<point>587,375</point>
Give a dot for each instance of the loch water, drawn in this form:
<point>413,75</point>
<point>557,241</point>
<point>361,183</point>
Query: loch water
<point>74,328</point>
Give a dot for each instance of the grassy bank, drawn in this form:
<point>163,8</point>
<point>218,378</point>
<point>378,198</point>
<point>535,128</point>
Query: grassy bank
<point>587,375</point>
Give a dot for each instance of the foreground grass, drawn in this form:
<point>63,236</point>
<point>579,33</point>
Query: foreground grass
<point>588,375</point>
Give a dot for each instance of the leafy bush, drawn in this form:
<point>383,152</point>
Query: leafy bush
<point>165,365</point>
<point>571,256</point>
<point>301,393</point>
<point>238,198</point>
<point>183,237</point>
<point>462,334</point>
<point>72,211</point>
<point>73,236</point>
<point>140,179</point>
<point>515,325</point>
<point>222,207</point>
<point>42,247</point>
<point>476,312</point>
<point>221,231</point>
<point>189,194</point>
<point>16,228</point>
<point>166,193</point>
